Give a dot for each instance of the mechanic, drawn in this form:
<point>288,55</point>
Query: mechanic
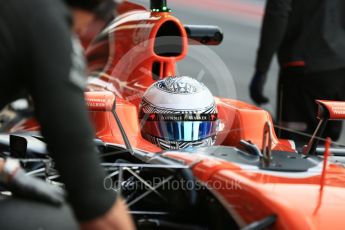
<point>40,57</point>
<point>309,38</point>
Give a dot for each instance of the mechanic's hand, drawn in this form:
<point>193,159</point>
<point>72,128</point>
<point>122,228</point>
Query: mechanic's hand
<point>256,88</point>
<point>29,187</point>
<point>116,218</point>
<point>14,178</point>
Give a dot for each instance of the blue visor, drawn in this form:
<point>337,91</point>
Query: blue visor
<point>181,130</point>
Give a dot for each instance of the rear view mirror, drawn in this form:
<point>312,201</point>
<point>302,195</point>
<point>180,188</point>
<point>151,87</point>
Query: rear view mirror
<point>331,110</point>
<point>100,101</point>
<point>18,146</point>
<point>328,110</point>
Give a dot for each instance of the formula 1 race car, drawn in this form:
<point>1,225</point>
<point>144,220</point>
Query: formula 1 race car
<point>181,158</point>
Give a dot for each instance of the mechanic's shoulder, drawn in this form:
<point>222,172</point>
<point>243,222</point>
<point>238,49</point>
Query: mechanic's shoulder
<point>36,9</point>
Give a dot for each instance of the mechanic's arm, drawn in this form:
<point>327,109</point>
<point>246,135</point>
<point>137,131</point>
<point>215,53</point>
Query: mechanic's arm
<point>272,32</point>
<point>57,91</point>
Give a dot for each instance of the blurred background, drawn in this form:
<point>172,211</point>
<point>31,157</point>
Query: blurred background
<point>240,21</point>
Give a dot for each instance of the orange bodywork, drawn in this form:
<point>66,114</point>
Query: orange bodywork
<point>123,59</point>
<point>246,122</point>
<point>293,197</point>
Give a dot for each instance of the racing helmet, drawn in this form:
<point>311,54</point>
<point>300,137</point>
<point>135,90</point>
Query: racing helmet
<point>177,113</point>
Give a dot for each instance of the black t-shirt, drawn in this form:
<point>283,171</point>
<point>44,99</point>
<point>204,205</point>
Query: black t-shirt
<point>39,57</point>
<point>311,31</point>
